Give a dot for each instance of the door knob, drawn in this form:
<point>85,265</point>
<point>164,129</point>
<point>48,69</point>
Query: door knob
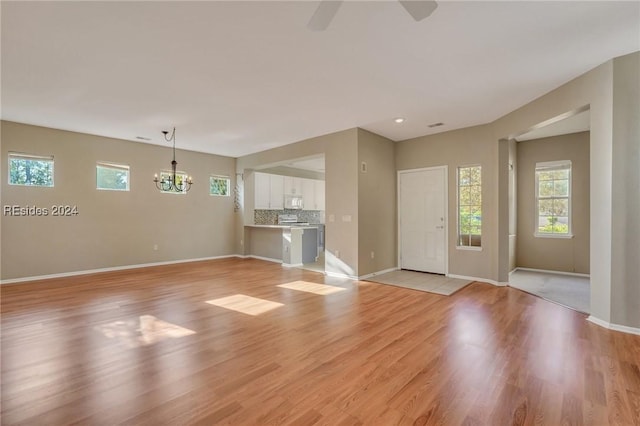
<point>440,227</point>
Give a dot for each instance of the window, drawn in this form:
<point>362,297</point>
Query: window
<point>470,206</point>
<point>219,185</point>
<point>30,170</point>
<point>167,176</point>
<point>112,177</point>
<point>553,199</point>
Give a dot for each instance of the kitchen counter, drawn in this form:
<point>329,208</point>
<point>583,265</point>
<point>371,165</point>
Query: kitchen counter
<point>292,245</point>
<point>310,226</point>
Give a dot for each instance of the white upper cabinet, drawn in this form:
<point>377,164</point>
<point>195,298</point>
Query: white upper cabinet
<point>276,199</point>
<point>309,194</point>
<point>262,191</point>
<point>269,191</point>
<point>293,185</point>
<point>319,194</point>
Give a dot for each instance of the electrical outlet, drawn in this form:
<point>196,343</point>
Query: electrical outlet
<point>241,242</point>
<point>373,254</point>
<point>155,247</point>
<point>337,252</point>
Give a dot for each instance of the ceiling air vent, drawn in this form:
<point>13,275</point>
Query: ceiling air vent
<point>142,138</point>
<point>435,125</point>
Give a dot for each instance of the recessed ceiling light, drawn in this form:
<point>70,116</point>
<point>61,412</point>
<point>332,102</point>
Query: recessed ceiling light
<point>399,120</point>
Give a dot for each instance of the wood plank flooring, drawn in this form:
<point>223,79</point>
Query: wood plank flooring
<point>145,347</point>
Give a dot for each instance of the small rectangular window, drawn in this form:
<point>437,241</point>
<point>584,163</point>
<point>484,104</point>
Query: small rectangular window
<point>470,206</point>
<point>167,176</point>
<point>219,185</point>
<point>30,170</point>
<point>112,177</point>
<point>553,199</point>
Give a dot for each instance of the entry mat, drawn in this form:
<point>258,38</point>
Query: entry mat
<point>422,281</point>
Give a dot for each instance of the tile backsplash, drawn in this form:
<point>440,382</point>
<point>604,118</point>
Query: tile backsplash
<point>270,217</point>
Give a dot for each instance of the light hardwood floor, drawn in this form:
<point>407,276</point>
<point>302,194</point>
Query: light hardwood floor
<point>171,345</point>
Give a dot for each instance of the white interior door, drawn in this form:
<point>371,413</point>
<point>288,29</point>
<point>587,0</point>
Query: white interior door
<point>422,216</point>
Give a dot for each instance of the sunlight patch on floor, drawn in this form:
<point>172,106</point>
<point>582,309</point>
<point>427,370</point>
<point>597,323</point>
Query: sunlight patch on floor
<point>245,304</point>
<point>143,331</point>
<point>314,288</point>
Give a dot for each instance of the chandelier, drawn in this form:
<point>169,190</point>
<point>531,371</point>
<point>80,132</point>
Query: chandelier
<point>173,181</point>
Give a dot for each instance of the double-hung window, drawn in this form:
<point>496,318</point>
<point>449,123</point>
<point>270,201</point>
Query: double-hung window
<point>553,199</point>
<point>30,170</point>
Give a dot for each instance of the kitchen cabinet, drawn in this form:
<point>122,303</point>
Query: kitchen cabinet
<point>293,185</point>
<point>269,191</point>
<point>309,194</point>
<point>319,194</point>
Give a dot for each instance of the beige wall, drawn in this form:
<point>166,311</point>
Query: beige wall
<point>125,235</point>
<point>341,192</point>
<point>614,293</point>
<point>593,89</point>
<point>513,202</point>
<point>473,145</point>
<point>112,228</point>
<point>377,223</point>
<point>556,254</point>
<point>625,252</point>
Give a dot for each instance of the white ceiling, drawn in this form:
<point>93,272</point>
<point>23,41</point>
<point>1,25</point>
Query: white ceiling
<point>241,77</point>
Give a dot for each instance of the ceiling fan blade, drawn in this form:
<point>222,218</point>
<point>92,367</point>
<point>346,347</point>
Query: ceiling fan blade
<point>419,9</point>
<point>324,14</point>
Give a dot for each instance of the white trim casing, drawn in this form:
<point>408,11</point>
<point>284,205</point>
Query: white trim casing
<point>546,271</point>
<point>483,280</point>
<point>268,259</point>
<point>115,268</point>
<point>540,167</point>
<point>339,275</point>
<point>614,327</point>
<point>373,274</point>
<point>446,212</point>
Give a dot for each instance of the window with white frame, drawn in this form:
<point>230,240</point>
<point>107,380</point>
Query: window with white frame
<point>30,170</point>
<point>553,199</point>
<point>219,185</point>
<point>470,206</point>
<point>181,179</point>
<point>112,177</point>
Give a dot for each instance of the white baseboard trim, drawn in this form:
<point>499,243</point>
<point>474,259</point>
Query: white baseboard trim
<point>614,327</point>
<point>546,271</point>
<point>268,259</point>
<point>373,274</point>
<point>484,280</point>
<point>292,265</point>
<point>110,269</point>
<point>339,275</point>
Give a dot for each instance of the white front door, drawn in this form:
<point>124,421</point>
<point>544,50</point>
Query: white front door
<point>422,205</point>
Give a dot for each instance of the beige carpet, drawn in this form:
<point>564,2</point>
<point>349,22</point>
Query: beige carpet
<point>570,291</point>
<point>422,281</point>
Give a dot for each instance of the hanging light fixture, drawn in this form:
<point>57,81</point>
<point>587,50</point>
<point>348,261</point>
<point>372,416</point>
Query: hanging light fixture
<point>175,182</point>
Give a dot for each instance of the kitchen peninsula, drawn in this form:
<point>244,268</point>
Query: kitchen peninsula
<point>294,245</point>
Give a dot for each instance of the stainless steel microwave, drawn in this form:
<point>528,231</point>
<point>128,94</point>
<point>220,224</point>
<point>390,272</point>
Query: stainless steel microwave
<point>293,202</point>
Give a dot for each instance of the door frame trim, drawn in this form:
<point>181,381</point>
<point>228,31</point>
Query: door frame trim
<point>446,212</point>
